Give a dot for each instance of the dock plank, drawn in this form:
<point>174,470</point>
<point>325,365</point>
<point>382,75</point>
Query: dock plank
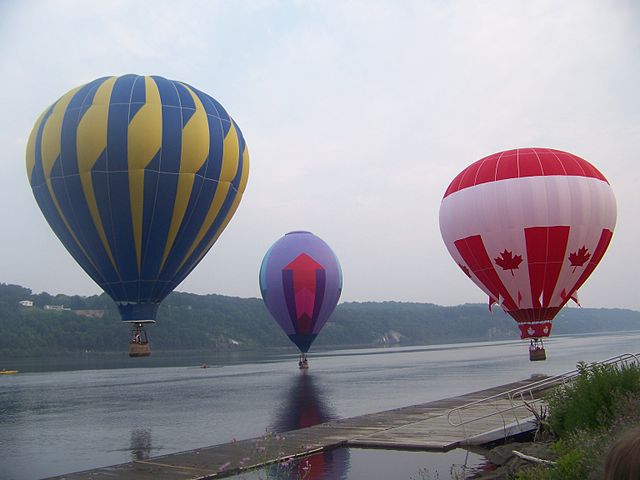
<point>416,427</point>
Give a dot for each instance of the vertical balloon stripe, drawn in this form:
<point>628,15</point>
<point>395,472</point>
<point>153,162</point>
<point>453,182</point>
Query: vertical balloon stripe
<point>218,201</point>
<point>552,165</point>
<point>487,170</point>
<point>42,194</point>
<point>224,216</point>
<point>245,170</point>
<point>195,139</point>
<point>157,215</point>
<point>546,248</point>
<point>262,278</point>
<point>37,173</point>
<point>224,212</point>
<point>31,146</point>
<point>51,135</point>
<point>227,218</point>
<point>143,144</point>
<point>159,199</point>
<point>220,196</point>
<point>187,105</point>
<point>91,136</point>
<point>78,106</point>
<point>205,187</point>
<point>145,129</point>
<point>321,283</point>
<point>239,182</point>
<point>598,253</point>
<point>216,136</point>
<point>56,222</point>
<point>202,195</point>
<point>114,192</point>
<point>230,155</point>
<point>339,274</point>
<point>50,152</point>
<point>66,182</point>
<point>475,255</point>
<point>91,143</point>
<point>195,150</point>
<point>183,194</point>
<point>234,205</point>
<point>69,230</point>
<point>289,295</point>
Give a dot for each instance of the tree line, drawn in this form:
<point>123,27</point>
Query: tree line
<point>188,321</point>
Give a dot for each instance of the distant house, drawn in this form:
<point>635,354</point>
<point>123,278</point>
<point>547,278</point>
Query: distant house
<point>57,308</point>
<point>26,303</point>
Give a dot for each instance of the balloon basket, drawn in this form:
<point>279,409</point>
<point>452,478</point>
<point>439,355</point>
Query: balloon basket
<point>139,343</point>
<point>303,363</point>
<point>139,350</point>
<point>537,353</point>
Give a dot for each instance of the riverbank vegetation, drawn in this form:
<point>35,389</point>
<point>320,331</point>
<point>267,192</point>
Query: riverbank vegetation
<point>77,324</point>
<point>585,418</point>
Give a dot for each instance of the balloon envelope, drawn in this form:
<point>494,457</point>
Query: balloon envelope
<point>137,176</point>
<point>300,282</point>
<point>529,226</point>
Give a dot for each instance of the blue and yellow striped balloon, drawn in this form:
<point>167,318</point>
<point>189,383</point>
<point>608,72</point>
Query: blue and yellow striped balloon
<point>137,176</point>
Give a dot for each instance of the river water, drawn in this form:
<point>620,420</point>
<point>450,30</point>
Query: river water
<point>69,414</point>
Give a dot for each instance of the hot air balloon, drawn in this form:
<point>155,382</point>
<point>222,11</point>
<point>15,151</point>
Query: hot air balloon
<point>529,226</point>
<point>137,176</point>
<point>300,282</point>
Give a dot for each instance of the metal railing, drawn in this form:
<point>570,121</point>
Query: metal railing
<point>525,396</point>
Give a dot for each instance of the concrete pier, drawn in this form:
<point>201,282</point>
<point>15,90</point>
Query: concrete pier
<point>426,427</point>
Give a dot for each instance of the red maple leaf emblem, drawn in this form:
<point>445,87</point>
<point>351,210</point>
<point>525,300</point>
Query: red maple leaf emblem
<point>579,258</point>
<point>508,261</point>
<point>465,269</point>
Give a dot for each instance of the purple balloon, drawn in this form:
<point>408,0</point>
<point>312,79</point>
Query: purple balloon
<point>301,282</point>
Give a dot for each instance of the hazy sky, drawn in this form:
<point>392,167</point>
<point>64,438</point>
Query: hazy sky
<point>357,115</point>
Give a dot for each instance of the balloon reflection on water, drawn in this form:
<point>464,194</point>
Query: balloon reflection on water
<point>304,407</point>
<point>141,445</point>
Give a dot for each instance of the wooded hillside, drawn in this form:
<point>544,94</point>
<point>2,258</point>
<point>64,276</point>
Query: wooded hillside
<point>197,322</point>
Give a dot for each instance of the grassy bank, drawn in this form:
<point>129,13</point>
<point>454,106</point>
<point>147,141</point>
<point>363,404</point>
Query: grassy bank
<point>584,419</point>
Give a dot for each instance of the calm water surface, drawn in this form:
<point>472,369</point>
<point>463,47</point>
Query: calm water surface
<point>64,415</point>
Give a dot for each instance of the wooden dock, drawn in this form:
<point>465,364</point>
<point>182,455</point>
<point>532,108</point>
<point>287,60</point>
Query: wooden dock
<point>419,427</point>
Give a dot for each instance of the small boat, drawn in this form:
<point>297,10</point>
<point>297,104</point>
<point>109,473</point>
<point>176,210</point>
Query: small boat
<point>8,372</point>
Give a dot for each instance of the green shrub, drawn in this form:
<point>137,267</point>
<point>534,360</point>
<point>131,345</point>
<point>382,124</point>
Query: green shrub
<point>586,417</point>
<point>577,455</point>
<point>534,472</point>
<point>588,402</point>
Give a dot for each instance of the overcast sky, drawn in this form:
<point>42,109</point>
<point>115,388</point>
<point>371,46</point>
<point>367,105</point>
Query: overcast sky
<point>357,115</point>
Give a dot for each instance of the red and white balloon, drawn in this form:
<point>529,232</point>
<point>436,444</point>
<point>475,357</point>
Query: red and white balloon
<point>529,226</point>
